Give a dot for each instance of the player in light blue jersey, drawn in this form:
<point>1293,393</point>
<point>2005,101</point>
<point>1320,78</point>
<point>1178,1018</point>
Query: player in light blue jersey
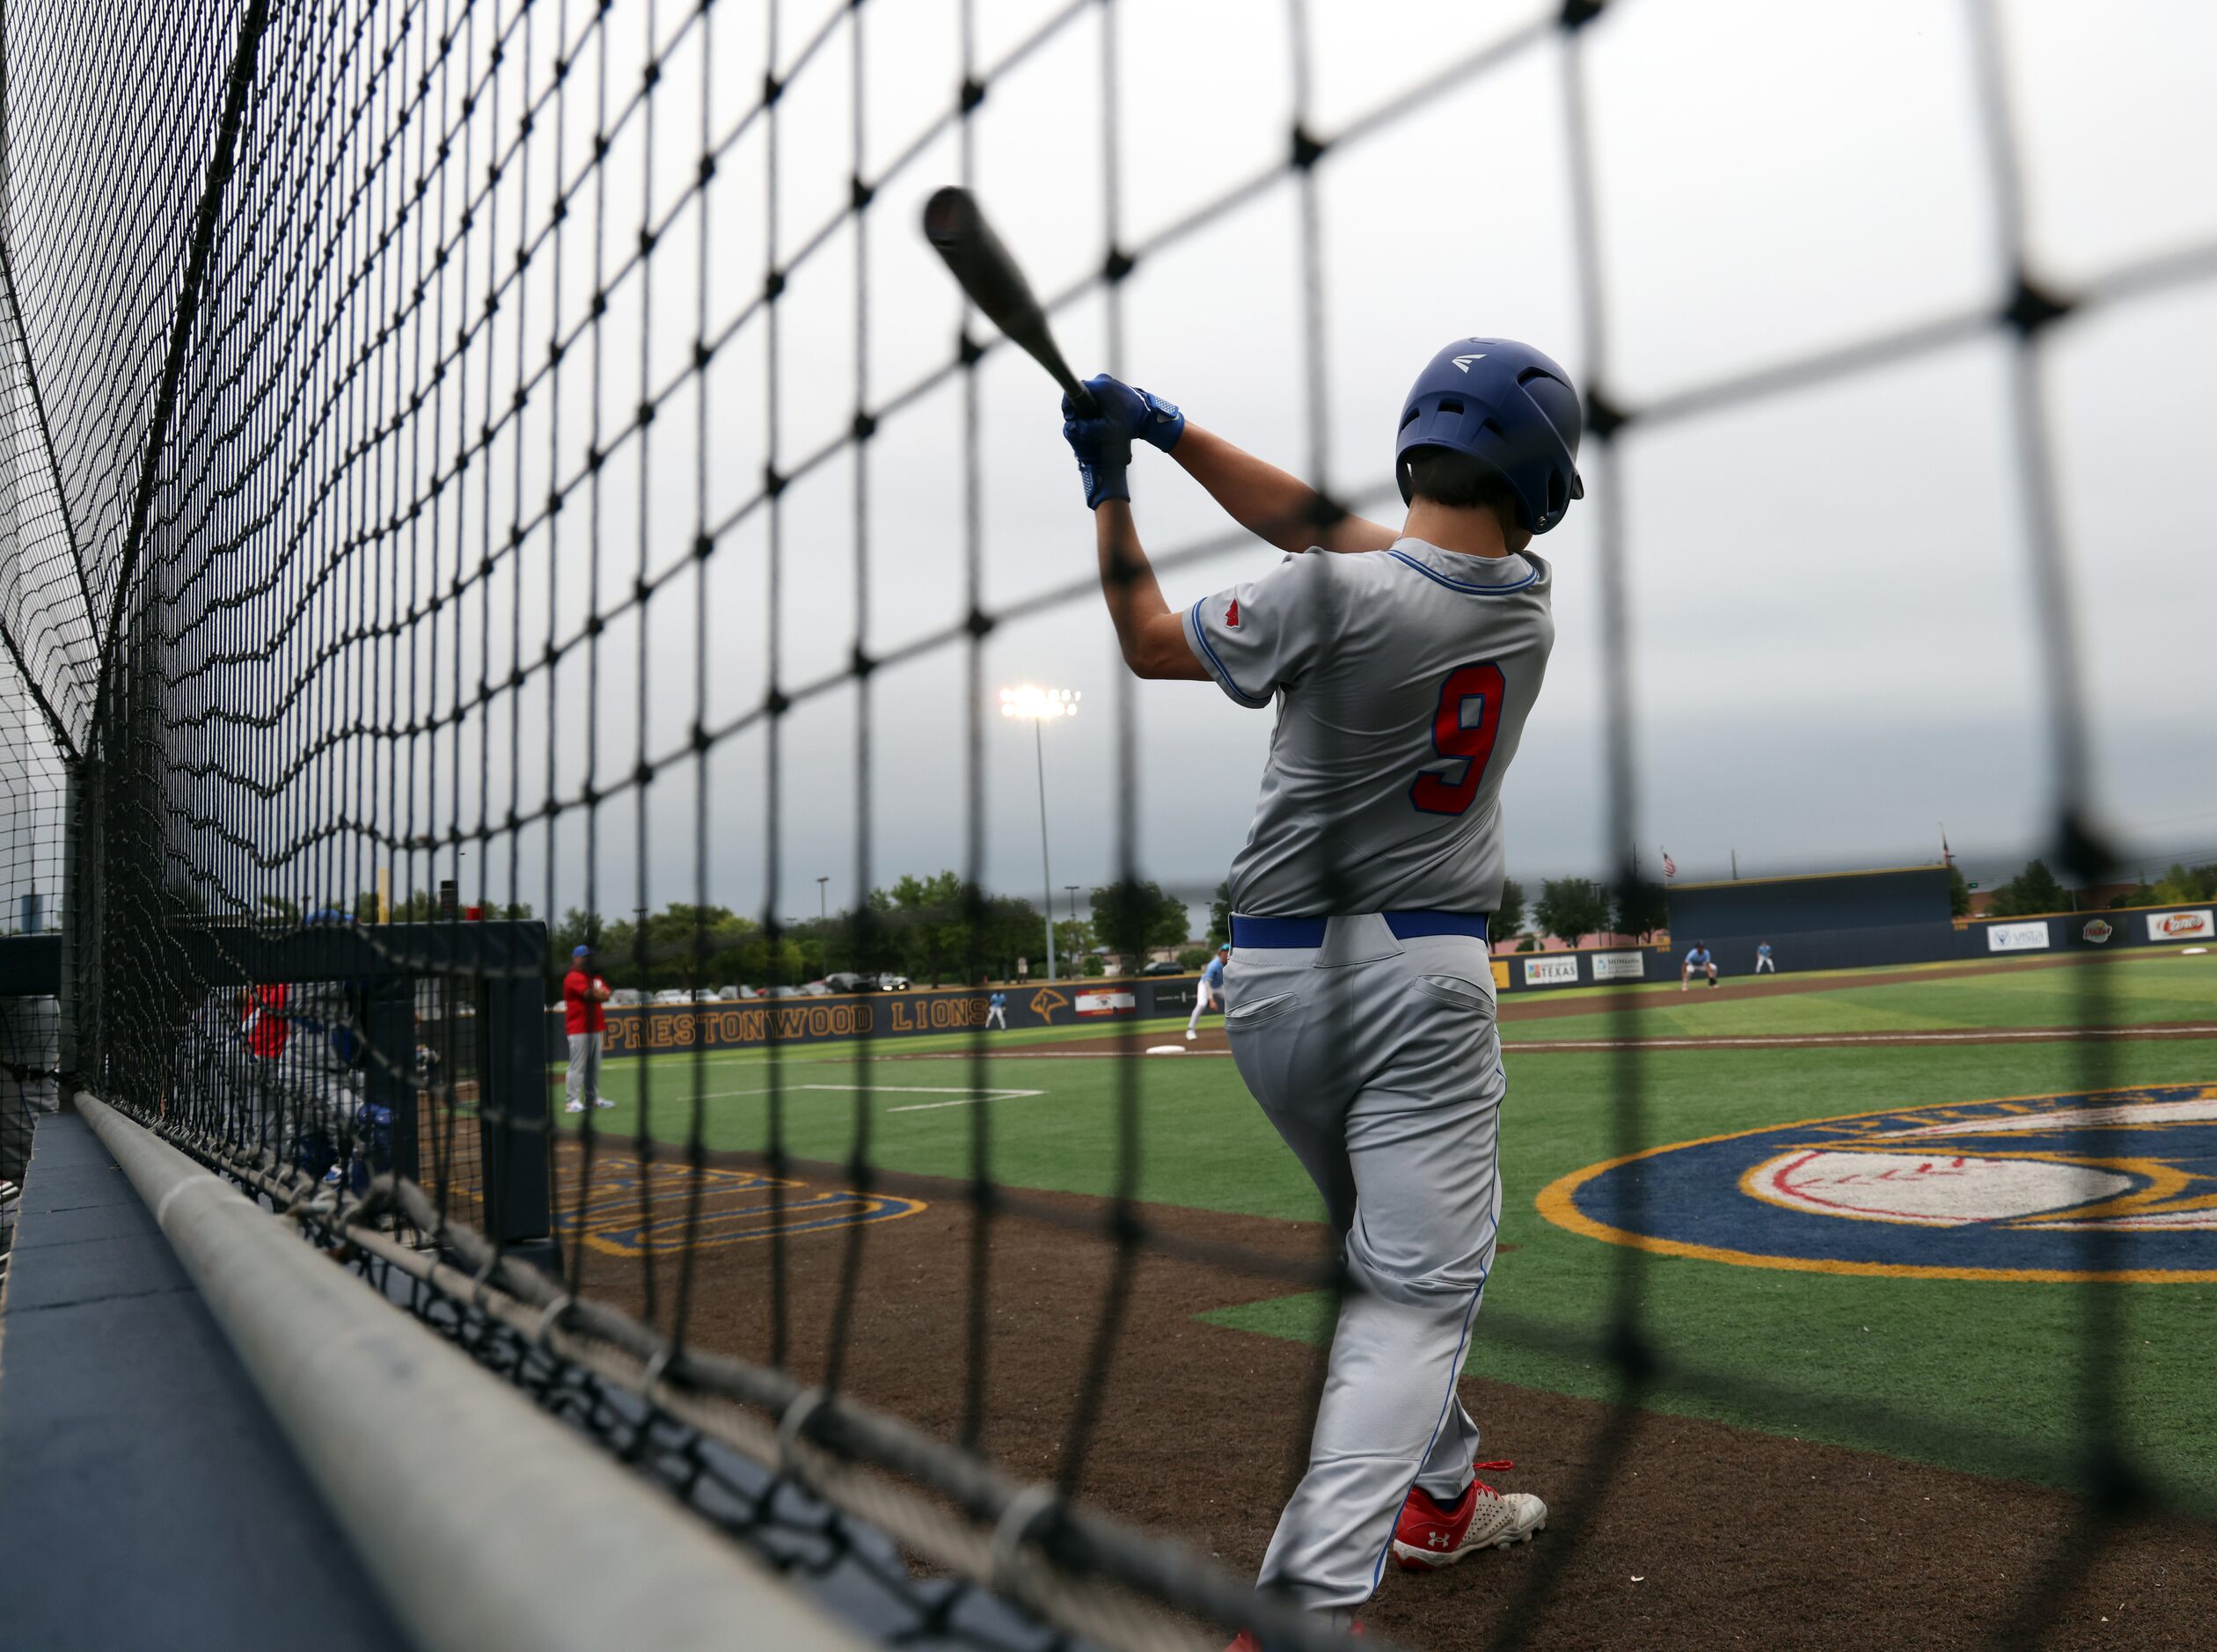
<point>997,1010</point>
<point>1763,959</point>
<point>1699,961</point>
<point>1209,993</point>
<point>1399,673</point>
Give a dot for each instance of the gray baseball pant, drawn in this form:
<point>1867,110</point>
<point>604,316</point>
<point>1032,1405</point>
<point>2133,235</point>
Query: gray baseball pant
<point>584,1067</point>
<point>1378,1061</point>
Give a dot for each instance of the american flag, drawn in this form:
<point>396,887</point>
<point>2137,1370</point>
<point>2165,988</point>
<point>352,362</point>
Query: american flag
<point>1669,866</point>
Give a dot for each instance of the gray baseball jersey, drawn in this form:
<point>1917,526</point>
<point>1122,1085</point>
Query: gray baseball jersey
<point>1403,679</point>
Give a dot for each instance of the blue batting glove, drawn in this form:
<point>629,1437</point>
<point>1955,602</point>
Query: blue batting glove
<point>1164,424</point>
<point>1103,446</point>
<point>1143,415</point>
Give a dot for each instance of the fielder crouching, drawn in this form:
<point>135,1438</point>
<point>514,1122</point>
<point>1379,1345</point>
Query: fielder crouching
<point>1359,1002</point>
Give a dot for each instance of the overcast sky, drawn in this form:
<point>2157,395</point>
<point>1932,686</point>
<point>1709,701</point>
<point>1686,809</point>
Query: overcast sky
<point>1834,642</point>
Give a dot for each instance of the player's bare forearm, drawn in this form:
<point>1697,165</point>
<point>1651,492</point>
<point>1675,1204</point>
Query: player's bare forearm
<point>1151,637</point>
<point>1268,502</point>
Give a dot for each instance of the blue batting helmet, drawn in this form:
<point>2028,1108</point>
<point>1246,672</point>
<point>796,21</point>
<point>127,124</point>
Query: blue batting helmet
<point>1509,407</point>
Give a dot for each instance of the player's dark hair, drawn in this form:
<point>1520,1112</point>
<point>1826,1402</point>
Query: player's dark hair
<point>1459,482</point>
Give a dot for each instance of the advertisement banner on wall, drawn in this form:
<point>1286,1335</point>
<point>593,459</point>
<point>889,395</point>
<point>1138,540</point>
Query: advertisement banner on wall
<point>2016,937</point>
<point>2198,924</point>
<point>1562,971</point>
<point>1620,966</point>
<point>648,1029</point>
<point>2096,932</point>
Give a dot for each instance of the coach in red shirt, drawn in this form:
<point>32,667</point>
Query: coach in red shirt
<point>586,1022</point>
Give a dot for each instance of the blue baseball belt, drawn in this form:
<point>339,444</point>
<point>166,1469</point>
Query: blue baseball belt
<point>1265,933</point>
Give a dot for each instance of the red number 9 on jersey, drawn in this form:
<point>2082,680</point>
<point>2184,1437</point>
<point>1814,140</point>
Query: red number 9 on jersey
<point>1456,734</point>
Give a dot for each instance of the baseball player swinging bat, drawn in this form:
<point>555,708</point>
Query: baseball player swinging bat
<point>1359,1002</point>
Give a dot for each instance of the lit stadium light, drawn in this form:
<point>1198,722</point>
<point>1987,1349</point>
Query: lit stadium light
<point>1038,704</point>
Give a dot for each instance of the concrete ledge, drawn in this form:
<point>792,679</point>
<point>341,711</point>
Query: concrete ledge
<point>489,1525</point>
<point>148,1497</point>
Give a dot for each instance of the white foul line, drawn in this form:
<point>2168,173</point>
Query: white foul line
<point>969,1096</point>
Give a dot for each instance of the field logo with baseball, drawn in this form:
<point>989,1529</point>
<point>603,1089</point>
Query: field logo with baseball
<point>2005,1189</point>
<point>656,1208</point>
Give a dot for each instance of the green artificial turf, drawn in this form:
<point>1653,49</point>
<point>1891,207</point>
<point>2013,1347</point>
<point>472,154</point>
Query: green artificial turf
<point>2125,992</point>
<point>1980,1375</point>
<point>1987,1374</point>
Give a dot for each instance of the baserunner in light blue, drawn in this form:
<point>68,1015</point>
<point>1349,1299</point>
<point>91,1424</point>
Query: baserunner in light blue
<point>1209,993</point>
<point>1360,1000</point>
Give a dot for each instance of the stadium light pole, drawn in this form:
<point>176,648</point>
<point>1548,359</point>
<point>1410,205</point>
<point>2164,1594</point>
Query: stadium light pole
<point>823,898</point>
<point>1037,705</point>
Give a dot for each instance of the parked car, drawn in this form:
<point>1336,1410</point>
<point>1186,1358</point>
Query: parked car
<point>626,996</point>
<point>891,981</point>
<point>780,992</point>
<point>1165,966</point>
<point>816,990</point>
<point>673,995</point>
<point>847,980</point>
<point>730,995</point>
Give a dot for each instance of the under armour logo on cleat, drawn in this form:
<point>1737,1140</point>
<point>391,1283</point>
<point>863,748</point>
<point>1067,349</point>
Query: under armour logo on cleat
<point>1437,1539</point>
<point>1464,362</point>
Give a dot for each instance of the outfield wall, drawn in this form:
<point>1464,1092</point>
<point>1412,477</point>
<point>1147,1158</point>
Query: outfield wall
<point>1964,940</point>
<point>1892,897</point>
<point>757,1023</point>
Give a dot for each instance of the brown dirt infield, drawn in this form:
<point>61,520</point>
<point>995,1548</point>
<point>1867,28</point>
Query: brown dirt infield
<point>1704,1536</point>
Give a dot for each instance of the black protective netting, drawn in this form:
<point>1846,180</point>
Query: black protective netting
<point>458,464</point>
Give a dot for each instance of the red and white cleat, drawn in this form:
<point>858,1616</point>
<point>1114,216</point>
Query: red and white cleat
<point>1431,1535</point>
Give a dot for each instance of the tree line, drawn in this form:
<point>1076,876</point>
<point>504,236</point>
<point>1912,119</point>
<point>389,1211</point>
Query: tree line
<point>941,929</point>
<point>2037,891</point>
<point>934,930</point>
<point>1568,908</point>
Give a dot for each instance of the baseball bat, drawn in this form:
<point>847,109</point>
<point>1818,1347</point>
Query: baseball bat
<point>956,229</point>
